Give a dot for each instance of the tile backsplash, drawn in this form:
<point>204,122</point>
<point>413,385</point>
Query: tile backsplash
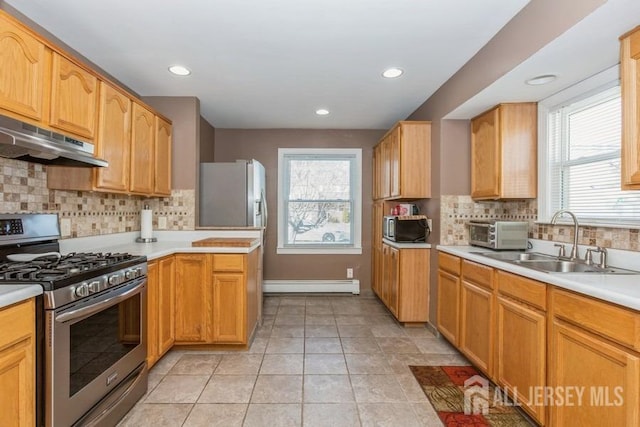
<point>456,211</point>
<point>23,187</point>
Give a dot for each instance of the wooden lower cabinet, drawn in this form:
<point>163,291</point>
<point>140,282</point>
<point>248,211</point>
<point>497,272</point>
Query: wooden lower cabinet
<point>477,315</point>
<point>17,365</point>
<point>594,347</point>
<point>194,299</point>
<point>228,308</point>
<point>216,298</point>
<point>521,355</point>
<point>161,293</point>
<point>404,286</point>
<point>448,317</point>
<point>477,325</point>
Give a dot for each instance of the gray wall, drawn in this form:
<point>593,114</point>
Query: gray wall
<point>262,145</point>
<point>539,23</point>
<point>207,141</point>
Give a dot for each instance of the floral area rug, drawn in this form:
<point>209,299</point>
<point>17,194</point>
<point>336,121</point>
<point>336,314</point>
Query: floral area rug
<point>462,397</point>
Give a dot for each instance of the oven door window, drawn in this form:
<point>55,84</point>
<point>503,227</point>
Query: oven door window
<point>479,233</point>
<point>99,341</point>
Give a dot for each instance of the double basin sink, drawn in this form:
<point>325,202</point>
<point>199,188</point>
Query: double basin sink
<point>552,264</point>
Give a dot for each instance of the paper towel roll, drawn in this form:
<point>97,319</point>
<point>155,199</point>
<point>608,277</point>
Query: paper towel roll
<point>146,224</point>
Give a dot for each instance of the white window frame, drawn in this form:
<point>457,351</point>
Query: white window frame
<point>356,187</point>
<point>602,81</point>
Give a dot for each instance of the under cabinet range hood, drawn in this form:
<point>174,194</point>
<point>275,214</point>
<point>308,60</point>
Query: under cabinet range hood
<point>23,141</point>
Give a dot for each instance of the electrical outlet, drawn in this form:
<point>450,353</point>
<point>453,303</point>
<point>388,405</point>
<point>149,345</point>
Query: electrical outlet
<point>349,273</point>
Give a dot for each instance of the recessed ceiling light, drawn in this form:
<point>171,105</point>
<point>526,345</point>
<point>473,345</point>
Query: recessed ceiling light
<point>322,111</point>
<point>392,73</point>
<point>179,70</point>
<point>541,80</point>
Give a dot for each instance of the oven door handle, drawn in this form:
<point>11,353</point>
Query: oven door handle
<point>99,306</point>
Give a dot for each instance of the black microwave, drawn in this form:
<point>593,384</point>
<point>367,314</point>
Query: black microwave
<point>409,228</point>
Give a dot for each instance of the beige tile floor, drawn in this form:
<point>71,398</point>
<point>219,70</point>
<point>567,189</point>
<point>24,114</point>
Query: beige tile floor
<point>316,361</point>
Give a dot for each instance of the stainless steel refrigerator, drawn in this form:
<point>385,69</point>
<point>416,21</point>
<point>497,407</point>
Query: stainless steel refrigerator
<point>232,194</point>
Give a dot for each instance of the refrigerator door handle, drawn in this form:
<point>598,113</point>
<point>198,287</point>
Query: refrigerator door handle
<point>263,204</point>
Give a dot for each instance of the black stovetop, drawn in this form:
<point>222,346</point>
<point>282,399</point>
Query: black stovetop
<point>53,273</point>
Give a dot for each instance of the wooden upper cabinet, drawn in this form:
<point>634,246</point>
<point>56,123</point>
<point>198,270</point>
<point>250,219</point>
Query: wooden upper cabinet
<point>114,137</point>
<point>142,150</point>
<point>162,185</point>
<point>74,98</point>
<point>630,82</point>
<point>504,153</point>
<point>403,162</point>
<point>23,63</point>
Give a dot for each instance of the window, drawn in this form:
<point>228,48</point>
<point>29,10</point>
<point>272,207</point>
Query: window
<point>319,201</point>
<point>583,137</point>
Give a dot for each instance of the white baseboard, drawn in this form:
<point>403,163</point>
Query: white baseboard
<point>311,286</point>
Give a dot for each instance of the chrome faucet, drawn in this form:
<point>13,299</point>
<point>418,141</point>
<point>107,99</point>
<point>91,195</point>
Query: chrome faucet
<point>574,249</point>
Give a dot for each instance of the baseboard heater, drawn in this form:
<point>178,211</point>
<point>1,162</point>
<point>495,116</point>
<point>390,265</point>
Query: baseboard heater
<point>311,286</point>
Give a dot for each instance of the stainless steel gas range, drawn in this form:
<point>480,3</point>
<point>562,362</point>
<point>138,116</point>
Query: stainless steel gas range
<point>90,323</point>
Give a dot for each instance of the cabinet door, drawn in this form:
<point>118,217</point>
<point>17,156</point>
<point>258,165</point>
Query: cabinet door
<point>630,82</point>
<point>153,315</point>
<point>229,308</point>
<point>393,276</point>
<point>74,98</point>
<point>166,304</point>
<point>17,366</point>
<point>142,150</point>
<point>193,298</point>
<point>607,374</point>
<point>386,168</point>
<point>162,186</point>
<point>485,155</point>
<point>476,325</point>
<point>394,174</point>
<point>22,70</point>
<point>114,140</point>
<point>521,358</point>
<point>376,251</point>
<point>385,288</point>
<point>377,172</point>
<point>448,316</point>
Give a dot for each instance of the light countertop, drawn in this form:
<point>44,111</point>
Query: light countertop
<point>406,245</point>
<point>169,242</point>
<point>620,289</point>
<point>11,294</point>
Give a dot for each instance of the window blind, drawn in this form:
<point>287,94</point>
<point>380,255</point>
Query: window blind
<point>584,140</point>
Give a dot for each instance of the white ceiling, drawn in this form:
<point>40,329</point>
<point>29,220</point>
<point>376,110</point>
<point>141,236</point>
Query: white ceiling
<point>584,50</point>
<point>272,63</point>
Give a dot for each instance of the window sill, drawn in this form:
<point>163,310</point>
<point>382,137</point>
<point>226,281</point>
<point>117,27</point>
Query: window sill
<point>590,224</point>
<point>319,251</point>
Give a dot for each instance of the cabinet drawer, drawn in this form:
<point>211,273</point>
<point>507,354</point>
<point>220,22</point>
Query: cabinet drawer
<point>228,262</point>
<point>479,274</point>
<point>614,322</point>
<point>18,321</point>
<point>449,263</point>
<point>527,290</point>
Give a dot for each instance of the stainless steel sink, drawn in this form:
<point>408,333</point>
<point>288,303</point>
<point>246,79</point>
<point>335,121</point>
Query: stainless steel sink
<point>517,256</point>
<point>551,264</point>
<point>565,266</point>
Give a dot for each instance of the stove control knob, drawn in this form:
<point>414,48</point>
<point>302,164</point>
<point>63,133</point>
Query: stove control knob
<point>138,271</point>
<point>114,280</point>
<point>82,290</point>
<point>129,274</point>
<point>94,287</point>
